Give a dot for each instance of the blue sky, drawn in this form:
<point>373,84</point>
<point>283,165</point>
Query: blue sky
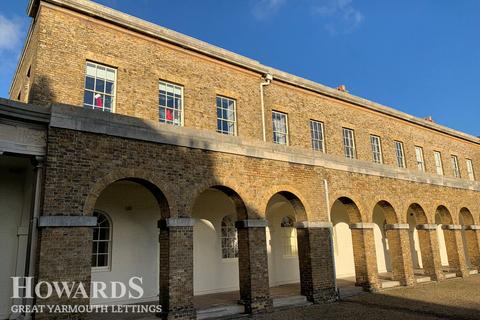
<point>418,56</point>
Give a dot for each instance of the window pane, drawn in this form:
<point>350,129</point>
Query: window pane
<point>89,83</point>
<point>88,97</point>
<point>96,85</point>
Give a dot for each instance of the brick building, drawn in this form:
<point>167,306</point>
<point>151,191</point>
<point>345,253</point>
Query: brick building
<point>133,150</point>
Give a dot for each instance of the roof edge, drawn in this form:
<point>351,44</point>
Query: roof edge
<point>127,21</point>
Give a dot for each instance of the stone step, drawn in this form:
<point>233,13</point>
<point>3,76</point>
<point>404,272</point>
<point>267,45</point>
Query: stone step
<point>390,284</point>
<point>472,272</point>
<point>423,279</point>
<point>220,311</point>
<point>450,275</point>
<point>290,301</point>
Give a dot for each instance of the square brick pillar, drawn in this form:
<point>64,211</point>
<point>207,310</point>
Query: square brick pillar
<point>65,254</point>
<point>399,247</point>
<point>317,267</point>
<point>472,234</point>
<point>455,251</point>
<point>365,256</point>
<point>176,268</point>
<point>430,250</point>
<point>253,266</point>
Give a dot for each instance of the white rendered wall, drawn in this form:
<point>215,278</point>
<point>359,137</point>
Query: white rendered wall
<point>211,273</point>
<point>15,200</point>
<point>135,249</point>
<point>441,242</point>
<point>281,269</point>
<point>342,242</point>
<point>415,243</point>
<point>381,242</point>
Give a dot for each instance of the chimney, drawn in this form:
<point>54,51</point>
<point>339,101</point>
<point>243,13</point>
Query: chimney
<point>342,88</point>
<point>429,118</point>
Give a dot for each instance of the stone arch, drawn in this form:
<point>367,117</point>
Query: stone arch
<point>142,177</point>
<point>353,212</point>
<point>466,217</point>
<point>293,196</point>
<point>443,214</point>
<point>417,211</point>
<point>388,210</point>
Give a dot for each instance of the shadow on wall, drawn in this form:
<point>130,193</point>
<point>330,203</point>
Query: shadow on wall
<point>41,91</point>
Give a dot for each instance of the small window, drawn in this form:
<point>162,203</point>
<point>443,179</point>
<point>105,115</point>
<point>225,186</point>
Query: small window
<point>438,162</point>
<point>280,127</point>
<point>400,154</point>
<point>455,166</point>
<point>229,238</point>
<point>170,103</point>
<point>317,133</point>
<point>349,143</point>
<point>102,238</point>
<point>226,116</point>
<point>99,87</point>
<point>420,159</point>
<point>470,171</point>
<point>376,149</point>
<point>289,233</point>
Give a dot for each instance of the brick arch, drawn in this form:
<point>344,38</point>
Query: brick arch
<point>299,203</point>
<point>148,180</point>
<point>389,212</point>
<point>444,214</point>
<point>353,211</point>
<point>420,215</point>
<point>230,188</point>
<point>467,216</point>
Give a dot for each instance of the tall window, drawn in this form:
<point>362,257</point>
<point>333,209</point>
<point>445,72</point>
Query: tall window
<point>471,173</point>
<point>99,91</point>
<point>102,238</point>
<point>280,127</point>
<point>419,158</point>
<point>226,116</point>
<point>229,238</point>
<point>289,234</point>
<point>438,162</point>
<point>376,149</point>
<point>170,103</point>
<point>349,143</point>
<point>400,154</point>
<point>317,133</point>
<point>455,166</point>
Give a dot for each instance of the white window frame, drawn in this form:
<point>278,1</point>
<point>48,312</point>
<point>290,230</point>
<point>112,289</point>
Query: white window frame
<point>289,237</point>
<point>455,166</point>
<point>420,159</point>
<point>109,241</point>
<point>173,110</point>
<point>317,134</point>
<point>234,121</point>
<point>113,95</point>
<point>349,143</point>
<point>377,154</point>
<point>229,243</point>
<point>470,170</point>
<point>437,155</point>
<point>276,132</point>
<point>400,154</point>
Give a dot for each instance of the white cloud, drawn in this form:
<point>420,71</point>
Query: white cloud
<point>265,8</point>
<point>11,33</point>
<point>340,15</point>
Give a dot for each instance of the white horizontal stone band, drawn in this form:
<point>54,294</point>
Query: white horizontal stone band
<point>397,226</point>
<point>452,227</point>
<point>66,221</point>
<point>472,227</point>
<point>313,225</point>
<point>251,223</point>
<point>426,227</point>
<point>362,226</point>
<point>176,222</point>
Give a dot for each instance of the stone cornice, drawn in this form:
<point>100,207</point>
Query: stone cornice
<point>150,29</point>
<point>24,112</point>
<point>80,119</point>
